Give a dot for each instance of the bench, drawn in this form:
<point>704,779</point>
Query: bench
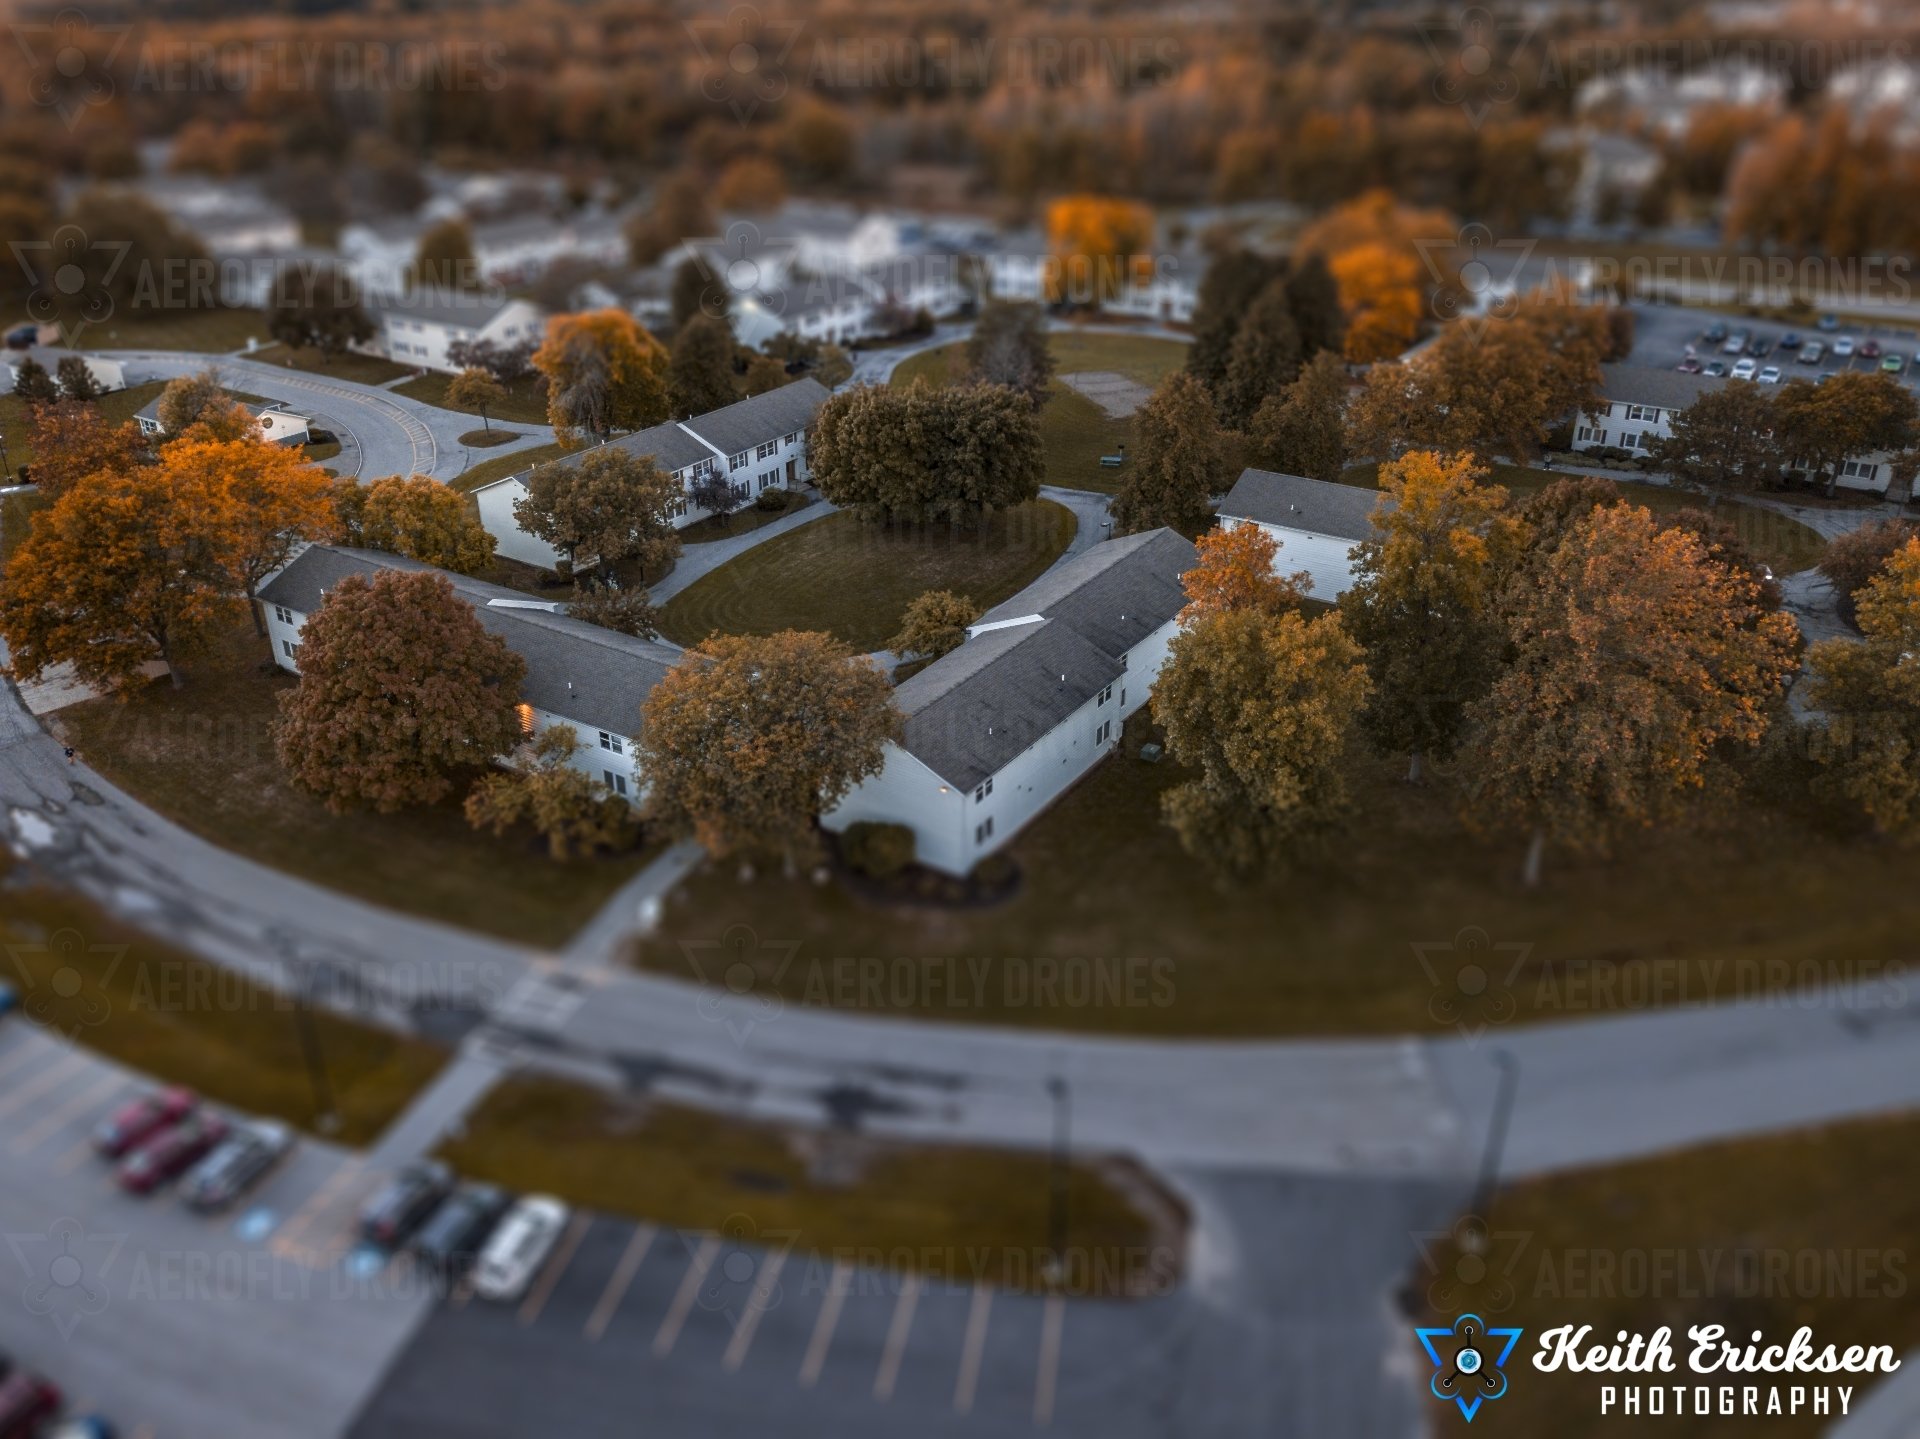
<point>1113,462</point>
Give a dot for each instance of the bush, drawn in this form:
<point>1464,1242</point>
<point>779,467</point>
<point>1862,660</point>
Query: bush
<point>877,850</point>
<point>772,501</point>
<point>995,872</point>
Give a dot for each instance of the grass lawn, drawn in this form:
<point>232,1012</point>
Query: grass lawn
<point>486,439</point>
<point>182,1020</point>
<point>946,1210</point>
<point>742,522</point>
<point>203,756</point>
<point>526,401</point>
<point>856,580</point>
<point>116,407</point>
<point>215,330</point>
<point>359,368</point>
<point>500,466</point>
<point>1774,538</point>
<point>1074,431</point>
<point>1107,889</point>
<point>1816,1228</point>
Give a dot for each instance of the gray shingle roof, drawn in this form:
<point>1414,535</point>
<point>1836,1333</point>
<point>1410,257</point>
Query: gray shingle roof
<point>582,672</point>
<point>465,309</point>
<point>747,423</point>
<point>1649,385</point>
<point>1115,594</point>
<point>1295,502</point>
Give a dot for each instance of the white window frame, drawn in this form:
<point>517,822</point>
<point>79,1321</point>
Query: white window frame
<point>613,743</point>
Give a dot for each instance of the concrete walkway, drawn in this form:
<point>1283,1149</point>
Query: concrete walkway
<point>696,562</point>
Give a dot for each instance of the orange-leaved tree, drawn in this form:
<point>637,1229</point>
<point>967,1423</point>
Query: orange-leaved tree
<point>72,439</point>
<point>604,372</point>
<point>1239,570</point>
<point>1099,244</point>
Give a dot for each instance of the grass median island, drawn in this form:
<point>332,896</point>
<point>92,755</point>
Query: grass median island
<point>184,1021</point>
<point>1114,929</point>
<point>855,579</point>
<point>948,1210</point>
<point>1815,1228</point>
<point>203,756</point>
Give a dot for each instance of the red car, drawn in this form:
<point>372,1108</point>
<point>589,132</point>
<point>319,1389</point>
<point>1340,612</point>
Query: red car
<point>171,1152</point>
<point>135,1123</point>
<point>26,1402</point>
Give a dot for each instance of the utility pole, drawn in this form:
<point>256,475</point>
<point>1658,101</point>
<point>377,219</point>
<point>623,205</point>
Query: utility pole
<point>1507,1082</point>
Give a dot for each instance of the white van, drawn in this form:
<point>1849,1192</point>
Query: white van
<point>518,1246</point>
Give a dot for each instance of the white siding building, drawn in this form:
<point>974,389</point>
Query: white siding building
<point>1037,694</point>
<point>756,443</point>
<point>419,328</point>
<point>1315,524</point>
<point>580,675</point>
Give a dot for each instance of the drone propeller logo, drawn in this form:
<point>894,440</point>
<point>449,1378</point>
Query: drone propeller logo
<point>1468,1371</point>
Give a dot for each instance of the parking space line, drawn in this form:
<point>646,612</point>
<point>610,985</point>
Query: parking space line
<point>92,1095</point>
<point>972,1348</point>
<point>537,1297</point>
<point>285,1243</point>
<point>696,1275</point>
<point>897,1331</point>
<point>1052,1319</point>
<point>623,1273</point>
<point>48,1078</point>
<point>758,1300</point>
<point>838,1282</point>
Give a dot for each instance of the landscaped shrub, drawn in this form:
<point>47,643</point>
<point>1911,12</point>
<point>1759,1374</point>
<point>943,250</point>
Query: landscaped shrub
<point>772,501</point>
<point>877,850</point>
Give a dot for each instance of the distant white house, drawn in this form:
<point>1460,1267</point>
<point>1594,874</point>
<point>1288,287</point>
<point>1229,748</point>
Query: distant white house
<point>107,374</point>
<point>1038,693</point>
<point>1316,524</point>
<point>1666,101</point>
<point>510,251</point>
<point>278,424</point>
<point>591,679</point>
<point>421,327</point>
<point>756,443</point>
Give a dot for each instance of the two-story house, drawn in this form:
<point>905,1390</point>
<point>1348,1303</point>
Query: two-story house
<point>1315,524</point>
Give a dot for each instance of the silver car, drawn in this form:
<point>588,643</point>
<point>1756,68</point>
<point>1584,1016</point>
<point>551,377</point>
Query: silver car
<point>236,1164</point>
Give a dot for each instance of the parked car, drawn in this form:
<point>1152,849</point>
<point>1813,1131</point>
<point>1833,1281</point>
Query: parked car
<point>1770,375</point>
<point>1829,323</point>
<point>1744,369</point>
<point>1869,349</point>
<point>26,1402</point>
<point>403,1201</point>
<point>1689,366</point>
<point>226,1173</point>
<point>1760,347</point>
<point>1715,369</point>
<point>23,337</point>
<point>1791,340</point>
<point>9,999</point>
<point>1716,332</point>
<point>454,1234</point>
<point>1736,343</point>
<point>518,1247</point>
<point>1812,352</point>
<point>1843,348</point>
<point>172,1152</point>
<point>135,1123</point>
<point>1893,364</point>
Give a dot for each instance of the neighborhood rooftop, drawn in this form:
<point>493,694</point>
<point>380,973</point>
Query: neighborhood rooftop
<point>575,670</point>
<point>462,309</point>
<point>1297,503</point>
<point>1652,385</point>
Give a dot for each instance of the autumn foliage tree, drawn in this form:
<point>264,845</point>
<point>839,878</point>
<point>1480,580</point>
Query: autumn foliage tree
<point>700,371</point>
<point>477,390</point>
<point>1856,412</point>
<point>72,440</point>
<point>541,789</point>
<point>1098,244</point>
<point>1303,429</point>
<point>424,520</point>
<point>401,689</point>
<point>749,737</point>
<point>604,508</point>
<point>604,372</point>
<point>1854,559</point>
<point>934,624</point>
<point>1179,460</point>
<point>1637,659</point>
<point>1239,569</point>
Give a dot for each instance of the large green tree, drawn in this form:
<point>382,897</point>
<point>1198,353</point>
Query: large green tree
<point>700,370</point>
<point>1264,360</point>
<point>1854,414</point>
<point>1009,347</point>
<point>318,307</point>
<point>1724,439</point>
<point>604,508</point>
<point>1227,290</point>
<point>1179,460</point>
<point>921,454</point>
<point>1303,430</point>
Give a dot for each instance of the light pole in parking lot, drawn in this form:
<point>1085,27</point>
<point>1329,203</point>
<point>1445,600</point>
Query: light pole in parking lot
<point>1057,1177</point>
<point>326,1117</point>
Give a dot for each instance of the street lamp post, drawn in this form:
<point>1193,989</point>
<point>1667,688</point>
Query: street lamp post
<point>326,1117</point>
<point>1508,1080</point>
<point>1057,1195</point>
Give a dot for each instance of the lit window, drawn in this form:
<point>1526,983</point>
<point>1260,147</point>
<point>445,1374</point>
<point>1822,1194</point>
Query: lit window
<point>524,713</point>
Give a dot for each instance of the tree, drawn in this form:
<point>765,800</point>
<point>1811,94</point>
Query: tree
<point>1303,430</point>
<point>1636,660</point>
<point>125,567</point>
<point>1422,603</point>
<point>200,399</point>
<point>920,454</point>
<point>719,496</point>
<point>1313,297</point>
<point>679,213</point>
<point>317,306</point>
<point>1239,569</point>
<point>1867,737</point>
<point>833,366</point>
<point>76,380</point>
<point>1855,558</point>
<point>700,373</point>
<point>627,610</point>
<point>1380,293</point>
<point>506,363</point>
<point>476,389</point>
<point>401,689</point>
<point>697,291</point>
<point>604,372</point>
<point>1227,291</point>
<point>750,737</point>
<point>1178,461</point>
<point>33,384</point>
<point>934,624</point>
<point>424,520</point>
<point>1099,244</point>
<point>606,507</point>
<point>751,184</point>
<point>542,789</point>
<point>1262,705</point>
<point>444,258</point>
<point>766,374</point>
<point>1723,439</point>
<point>1009,347</point>
<point>1854,413</point>
<point>72,440</point>
<point>1264,359</point>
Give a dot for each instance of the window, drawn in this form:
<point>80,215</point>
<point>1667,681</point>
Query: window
<point>1106,694</point>
<point>702,469</point>
<point>793,439</point>
<point>1643,412</point>
<point>524,713</point>
<point>612,743</point>
<point>289,648</point>
<point>283,614</point>
<point>763,451</point>
<point>615,782</point>
<point>769,479</point>
<point>983,831</point>
<point>737,462</point>
<point>1104,733</point>
<point>984,789</point>
<point>1859,470</point>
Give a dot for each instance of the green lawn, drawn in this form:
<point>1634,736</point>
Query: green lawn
<point>855,580</point>
<point>957,1212</point>
<point>1774,538</point>
<point>742,522</point>
<point>215,330</point>
<point>1074,431</point>
<point>1816,1228</point>
<point>484,439</point>
<point>115,407</point>
<point>204,757</point>
<point>180,1020</point>
<point>359,368</point>
<point>500,466</point>
<point>526,401</point>
<point>1732,908</point>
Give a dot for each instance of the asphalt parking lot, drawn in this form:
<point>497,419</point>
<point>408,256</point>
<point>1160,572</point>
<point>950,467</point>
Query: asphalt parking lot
<point>173,1324</point>
<point>1663,332</point>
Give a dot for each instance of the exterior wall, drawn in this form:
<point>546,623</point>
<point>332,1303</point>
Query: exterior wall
<point>907,792</point>
<point>1323,557</point>
<point>497,519</point>
<point>1637,427</point>
<point>424,343</point>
